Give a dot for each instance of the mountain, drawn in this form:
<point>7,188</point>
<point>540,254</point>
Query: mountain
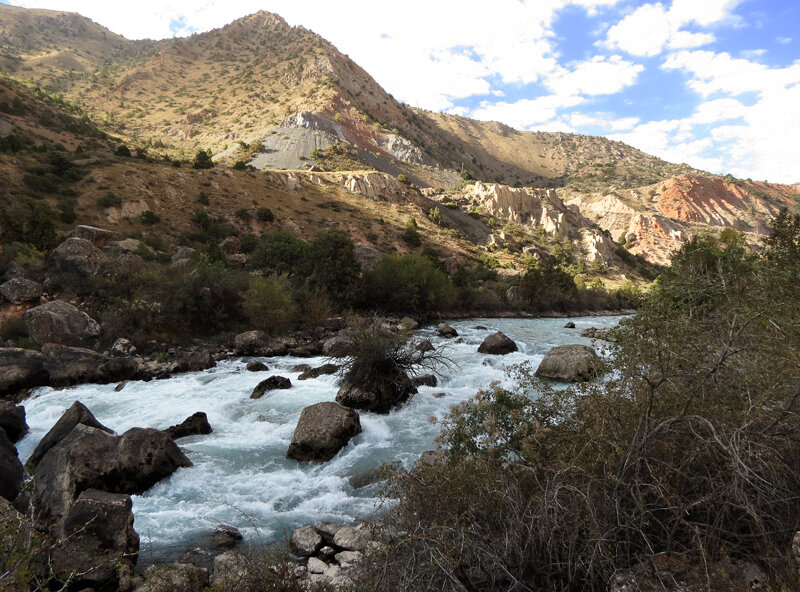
<point>281,97</point>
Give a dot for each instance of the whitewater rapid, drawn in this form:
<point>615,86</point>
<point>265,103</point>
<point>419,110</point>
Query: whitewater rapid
<point>240,474</point>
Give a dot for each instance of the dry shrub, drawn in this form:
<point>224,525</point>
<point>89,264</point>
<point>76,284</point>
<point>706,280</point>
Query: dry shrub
<point>690,448</point>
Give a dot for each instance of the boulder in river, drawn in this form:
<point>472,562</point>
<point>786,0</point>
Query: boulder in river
<point>60,322</point>
<point>601,333</point>
<point>446,330</point>
<point>378,397</point>
<point>22,368</point>
<point>425,346</point>
<point>194,425</point>
<point>569,325</point>
<point>497,344</point>
<point>323,430</point>
<point>570,363</point>
<point>257,367</point>
<point>12,420</point>
<point>77,414</point>
<point>425,380</point>
<point>89,458</point>
<point>270,384</point>
<point>325,369</point>
<point>11,472</point>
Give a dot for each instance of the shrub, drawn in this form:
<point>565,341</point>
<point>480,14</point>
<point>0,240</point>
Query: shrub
<point>31,224</point>
<point>268,304</point>
<point>435,215</point>
<point>403,178</point>
<point>408,283</point>
<point>411,234</point>
<point>689,450</point>
<point>122,150</point>
<point>202,160</point>
<point>149,217</point>
<point>451,205</point>
<point>109,200</point>
<point>239,165</point>
<point>66,210</point>
<point>202,198</point>
<point>265,215</point>
<point>281,252</point>
<point>243,214</point>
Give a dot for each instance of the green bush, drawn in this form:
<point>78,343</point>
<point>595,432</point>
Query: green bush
<point>268,304</point>
<point>202,198</point>
<point>265,215</point>
<point>66,210</point>
<point>435,215</point>
<point>281,252</point>
<point>403,178</point>
<point>243,214</point>
<point>335,269</point>
<point>122,150</point>
<point>31,223</point>
<point>411,234</point>
<point>408,283</point>
<point>202,160</point>
<point>149,217</point>
<point>109,200</point>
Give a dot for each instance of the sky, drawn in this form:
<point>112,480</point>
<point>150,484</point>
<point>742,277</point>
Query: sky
<point>712,83</point>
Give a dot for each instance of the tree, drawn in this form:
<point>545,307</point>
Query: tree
<point>268,304</point>
<point>202,160</point>
<point>411,233</point>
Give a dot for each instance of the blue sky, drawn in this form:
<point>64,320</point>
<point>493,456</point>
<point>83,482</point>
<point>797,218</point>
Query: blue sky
<point>713,83</point>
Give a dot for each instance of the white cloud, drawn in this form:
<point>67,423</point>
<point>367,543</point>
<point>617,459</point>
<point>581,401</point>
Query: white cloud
<point>602,120</point>
<point>597,76</point>
<point>719,72</point>
<point>526,113</point>
<point>652,27</point>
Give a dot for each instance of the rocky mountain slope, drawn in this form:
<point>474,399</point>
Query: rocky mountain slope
<point>281,97</point>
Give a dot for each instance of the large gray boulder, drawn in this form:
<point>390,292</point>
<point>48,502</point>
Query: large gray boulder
<point>78,256</point>
<point>570,363</point>
<point>258,343</point>
<point>11,472</point>
<point>12,420</point>
<point>77,414</point>
<point>89,458</point>
<point>323,430</point>
<point>497,344</point>
<point>19,289</point>
<point>98,542</point>
<point>22,368</point>
<point>62,323</point>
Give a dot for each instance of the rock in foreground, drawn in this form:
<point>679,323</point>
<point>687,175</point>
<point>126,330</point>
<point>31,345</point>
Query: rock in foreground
<point>323,430</point>
<point>12,420</point>
<point>11,472</point>
<point>497,344</point>
<point>570,363</point>
<point>90,458</point>
<point>78,413</point>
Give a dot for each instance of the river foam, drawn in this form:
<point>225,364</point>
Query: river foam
<point>240,474</point>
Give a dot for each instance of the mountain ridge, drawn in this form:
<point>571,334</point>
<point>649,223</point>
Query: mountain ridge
<point>275,96</point>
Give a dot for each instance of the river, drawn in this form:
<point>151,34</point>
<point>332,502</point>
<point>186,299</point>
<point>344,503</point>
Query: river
<point>240,474</point>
